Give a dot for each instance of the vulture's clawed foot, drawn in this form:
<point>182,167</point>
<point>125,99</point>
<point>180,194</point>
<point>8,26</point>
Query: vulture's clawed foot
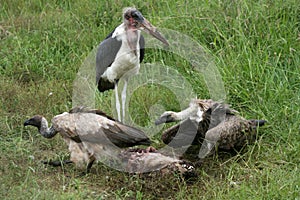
<point>87,171</point>
<point>57,163</point>
<point>82,174</point>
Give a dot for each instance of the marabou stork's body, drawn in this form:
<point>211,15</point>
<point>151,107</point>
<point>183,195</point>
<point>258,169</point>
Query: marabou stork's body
<point>120,54</point>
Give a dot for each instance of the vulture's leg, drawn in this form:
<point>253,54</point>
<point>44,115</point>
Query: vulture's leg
<point>123,95</point>
<point>57,163</point>
<point>117,101</point>
<point>89,166</point>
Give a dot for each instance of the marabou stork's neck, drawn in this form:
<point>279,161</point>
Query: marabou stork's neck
<point>132,36</point>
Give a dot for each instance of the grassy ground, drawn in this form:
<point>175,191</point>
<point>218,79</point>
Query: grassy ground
<point>256,48</point>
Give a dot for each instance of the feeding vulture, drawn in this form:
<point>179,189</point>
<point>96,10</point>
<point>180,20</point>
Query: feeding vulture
<point>152,162</point>
<point>90,134</point>
<point>209,123</point>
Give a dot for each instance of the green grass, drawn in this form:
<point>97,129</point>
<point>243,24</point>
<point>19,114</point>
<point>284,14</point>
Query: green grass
<point>255,47</point>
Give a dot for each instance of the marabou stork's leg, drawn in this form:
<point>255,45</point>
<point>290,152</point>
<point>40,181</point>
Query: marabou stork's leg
<point>123,96</point>
<point>117,101</point>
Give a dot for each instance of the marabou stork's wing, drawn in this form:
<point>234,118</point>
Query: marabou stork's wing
<point>142,48</point>
<point>106,54</point>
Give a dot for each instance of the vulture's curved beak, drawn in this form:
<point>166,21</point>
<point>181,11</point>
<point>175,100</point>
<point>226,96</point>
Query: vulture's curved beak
<point>160,120</point>
<point>27,122</point>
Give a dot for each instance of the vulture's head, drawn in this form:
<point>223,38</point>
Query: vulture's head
<point>166,117</point>
<point>36,121</point>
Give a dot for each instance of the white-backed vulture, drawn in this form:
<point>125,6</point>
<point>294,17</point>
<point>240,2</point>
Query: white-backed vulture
<point>152,162</point>
<point>215,123</point>
<point>90,134</point>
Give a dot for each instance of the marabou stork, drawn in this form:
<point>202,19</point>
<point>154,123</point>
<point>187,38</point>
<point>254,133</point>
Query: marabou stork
<point>121,52</point>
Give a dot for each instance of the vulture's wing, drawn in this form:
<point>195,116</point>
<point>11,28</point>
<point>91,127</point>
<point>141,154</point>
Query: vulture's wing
<point>93,128</point>
<point>83,109</point>
<point>100,136</point>
<point>182,134</point>
<point>233,132</point>
<point>126,136</point>
<point>169,134</point>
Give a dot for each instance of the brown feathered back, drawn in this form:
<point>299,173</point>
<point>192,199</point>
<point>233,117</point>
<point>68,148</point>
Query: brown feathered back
<point>90,134</point>
<point>221,126</point>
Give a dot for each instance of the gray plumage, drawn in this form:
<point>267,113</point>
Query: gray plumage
<point>90,134</point>
<point>121,52</point>
<point>219,127</point>
<point>106,55</point>
<point>155,163</point>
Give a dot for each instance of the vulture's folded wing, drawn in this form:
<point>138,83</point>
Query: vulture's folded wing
<point>126,136</point>
<point>182,134</point>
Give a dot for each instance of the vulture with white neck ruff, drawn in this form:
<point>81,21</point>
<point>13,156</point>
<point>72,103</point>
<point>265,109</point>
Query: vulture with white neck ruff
<point>208,122</point>
<point>90,134</point>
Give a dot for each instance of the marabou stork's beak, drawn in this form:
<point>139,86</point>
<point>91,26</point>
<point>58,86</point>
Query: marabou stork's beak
<point>150,29</point>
